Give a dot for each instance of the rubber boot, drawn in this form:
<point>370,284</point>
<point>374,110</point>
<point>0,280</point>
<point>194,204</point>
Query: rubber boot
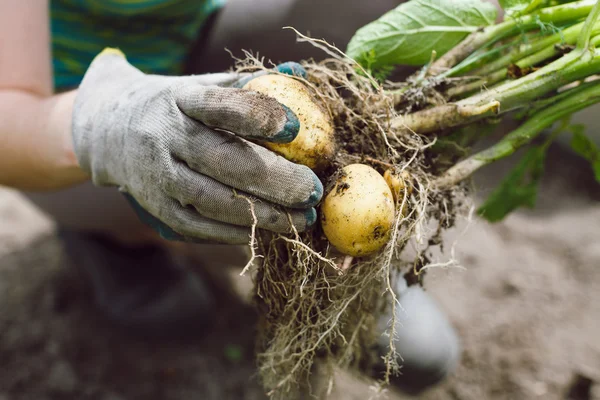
<point>142,289</point>
<point>425,340</point>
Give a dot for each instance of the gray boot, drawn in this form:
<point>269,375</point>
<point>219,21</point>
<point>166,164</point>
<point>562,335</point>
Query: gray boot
<point>426,341</point>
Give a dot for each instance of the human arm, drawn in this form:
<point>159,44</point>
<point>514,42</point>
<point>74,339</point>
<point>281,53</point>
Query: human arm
<point>37,149</point>
<point>177,146</point>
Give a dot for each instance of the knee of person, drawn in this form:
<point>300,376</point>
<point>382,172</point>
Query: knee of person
<point>425,340</point>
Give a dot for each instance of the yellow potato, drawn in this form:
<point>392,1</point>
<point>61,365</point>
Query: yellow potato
<point>398,182</point>
<point>357,215</point>
<point>315,143</point>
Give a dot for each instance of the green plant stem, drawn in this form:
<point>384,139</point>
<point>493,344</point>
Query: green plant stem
<point>557,15</point>
<point>568,36</point>
<point>520,92</point>
<point>532,6</point>
<point>530,61</point>
<point>536,58</point>
<point>477,60</point>
<point>586,31</point>
<point>506,97</point>
<point>497,76</point>
<point>544,103</point>
<point>469,88</point>
<point>551,52</point>
<point>577,99</point>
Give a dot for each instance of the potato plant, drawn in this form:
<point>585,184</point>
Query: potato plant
<point>395,158</point>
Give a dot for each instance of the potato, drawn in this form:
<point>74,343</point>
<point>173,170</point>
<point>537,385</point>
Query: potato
<point>357,214</point>
<point>398,182</point>
<point>315,143</point>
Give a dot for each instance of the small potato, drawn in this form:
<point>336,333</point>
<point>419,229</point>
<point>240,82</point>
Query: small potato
<point>398,182</point>
<point>315,143</point>
<point>357,215</point>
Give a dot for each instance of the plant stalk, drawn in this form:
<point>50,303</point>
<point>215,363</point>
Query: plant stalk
<point>578,99</point>
<point>497,76</point>
<point>586,31</point>
<point>543,104</point>
<point>519,92</point>
<point>529,61</point>
<point>567,36</point>
<point>576,65</point>
<point>532,6</point>
<point>558,14</point>
<point>476,61</point>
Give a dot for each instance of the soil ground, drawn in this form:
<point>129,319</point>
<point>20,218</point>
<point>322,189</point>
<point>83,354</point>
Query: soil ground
<point>526,305</point>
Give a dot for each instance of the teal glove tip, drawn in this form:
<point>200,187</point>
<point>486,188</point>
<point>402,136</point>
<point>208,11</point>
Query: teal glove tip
<point>169,234</point>
<point>290,129</point>
<point>292,68</point>
<point>315,195</point>
<point>163,230</point>
<point>311,216</point>
<point>289,68</point>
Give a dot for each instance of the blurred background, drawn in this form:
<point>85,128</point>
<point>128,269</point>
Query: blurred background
<point>525,299</point>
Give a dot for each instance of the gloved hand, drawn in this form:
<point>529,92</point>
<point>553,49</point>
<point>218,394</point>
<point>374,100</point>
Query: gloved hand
<point>176,147</point>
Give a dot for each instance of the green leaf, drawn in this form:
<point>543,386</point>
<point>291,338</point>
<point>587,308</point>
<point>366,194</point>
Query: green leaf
<point>518,189</point>
<point>583,146</point>
<point>380,73</point>
<point>410,32</point>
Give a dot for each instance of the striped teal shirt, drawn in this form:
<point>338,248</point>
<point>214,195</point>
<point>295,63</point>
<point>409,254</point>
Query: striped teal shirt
<point>155,35</point>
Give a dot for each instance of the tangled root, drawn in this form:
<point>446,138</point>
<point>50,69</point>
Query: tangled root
<point>310,307</point>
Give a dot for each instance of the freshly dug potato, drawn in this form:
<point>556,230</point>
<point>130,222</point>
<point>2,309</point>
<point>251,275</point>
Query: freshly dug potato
<point>397,182</point>
<point>357,215</point>
<point>315,143</point>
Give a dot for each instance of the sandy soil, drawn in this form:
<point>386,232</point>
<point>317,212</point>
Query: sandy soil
<point>526,305</point>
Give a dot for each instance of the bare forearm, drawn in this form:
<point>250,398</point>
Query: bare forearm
<point>37,149</point>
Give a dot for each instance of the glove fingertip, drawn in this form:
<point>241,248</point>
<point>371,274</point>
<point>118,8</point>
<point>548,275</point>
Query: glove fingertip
<point>290,130</point>
<point>289,68</point>
<point>161,228</point>
<point>311,216</point>
<point>292,68</point>
<point>110,51</point>
<point>315,195</point>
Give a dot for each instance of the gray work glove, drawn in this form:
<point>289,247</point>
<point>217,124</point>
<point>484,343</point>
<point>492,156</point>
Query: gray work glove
<point>176,147</point>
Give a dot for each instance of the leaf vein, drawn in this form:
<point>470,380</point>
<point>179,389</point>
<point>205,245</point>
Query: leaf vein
<point>411,16</point>
<point>485,18</point>
<point>422,49</point>
<point>428,29</point>
<point>439,10</point>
